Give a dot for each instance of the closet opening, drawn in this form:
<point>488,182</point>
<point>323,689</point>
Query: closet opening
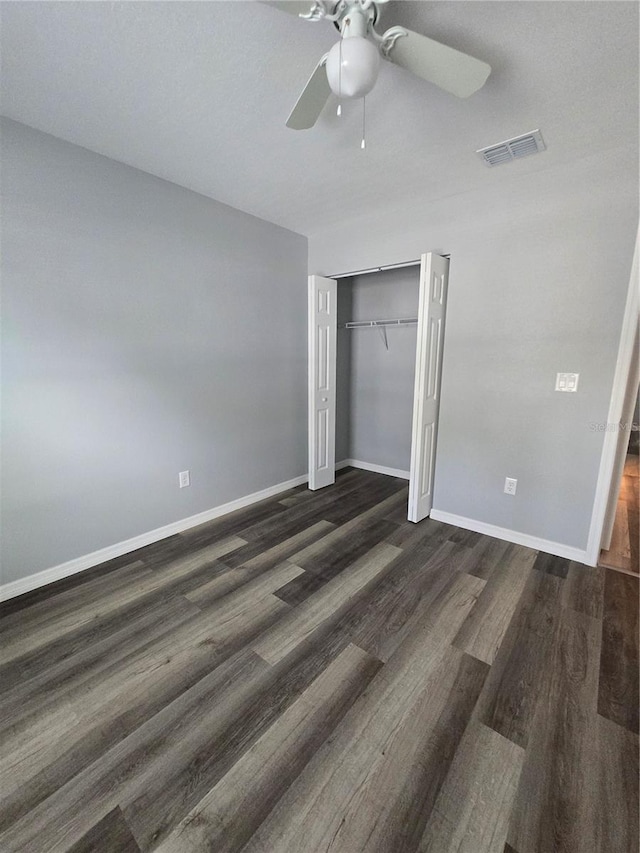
<point>375,361</point>
<point>375,369</point>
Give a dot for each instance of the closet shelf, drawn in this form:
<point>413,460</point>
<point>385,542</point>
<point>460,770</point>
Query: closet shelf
<point>372,324</point>
<point>381,325</point>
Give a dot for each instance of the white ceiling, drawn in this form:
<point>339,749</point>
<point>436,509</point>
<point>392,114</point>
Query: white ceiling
<point>198,93</point>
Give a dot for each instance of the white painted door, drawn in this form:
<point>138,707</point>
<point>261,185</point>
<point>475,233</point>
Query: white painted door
<point>323,333</point>
<point>434,276</point>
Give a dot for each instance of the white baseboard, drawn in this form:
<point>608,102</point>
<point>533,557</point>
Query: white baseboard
<point>545,545</point>
<point>370,466</point>
<point>88,561</point>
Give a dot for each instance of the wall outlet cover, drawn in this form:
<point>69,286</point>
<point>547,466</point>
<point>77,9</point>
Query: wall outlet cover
<point>510,486</point>
<point>567,381</point>
<point>184,479</point>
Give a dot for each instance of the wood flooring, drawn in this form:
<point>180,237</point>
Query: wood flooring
<point>315,674</point>
<point>624,550</point>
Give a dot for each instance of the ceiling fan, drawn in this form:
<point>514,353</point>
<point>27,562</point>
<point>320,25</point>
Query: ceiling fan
<point>350,68</point>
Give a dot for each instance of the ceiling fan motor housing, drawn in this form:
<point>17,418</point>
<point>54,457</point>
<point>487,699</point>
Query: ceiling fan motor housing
<point>353,62</point>
<point>352,67</point>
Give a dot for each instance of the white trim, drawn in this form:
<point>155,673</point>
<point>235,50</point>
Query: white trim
<point>546,545</point>
<point>370,466</point>
<point>88,561</point>
<point>622,449</point>
<point>398,266</point>
<point>620,381</point>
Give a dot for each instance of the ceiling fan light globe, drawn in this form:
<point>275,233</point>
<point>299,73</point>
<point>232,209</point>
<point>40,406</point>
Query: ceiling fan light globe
<point>360,65</point>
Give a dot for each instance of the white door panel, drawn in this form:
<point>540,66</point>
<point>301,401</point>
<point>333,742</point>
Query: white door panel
<point>434,274</point>
<point>322,380</point>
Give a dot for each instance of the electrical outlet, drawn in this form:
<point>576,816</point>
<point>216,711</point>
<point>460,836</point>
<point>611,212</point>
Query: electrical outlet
<point>184,479</point>
<point>510,486</point>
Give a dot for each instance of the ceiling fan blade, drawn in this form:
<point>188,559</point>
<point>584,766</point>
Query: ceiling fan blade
<point>446,67</point>
<point>293,7</point>
<point>313,98</point>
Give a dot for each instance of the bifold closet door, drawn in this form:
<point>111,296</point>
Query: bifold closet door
<point>323,334</point>
<point>434,277</point>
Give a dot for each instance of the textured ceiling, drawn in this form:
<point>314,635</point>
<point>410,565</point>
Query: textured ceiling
<point>198,93</point>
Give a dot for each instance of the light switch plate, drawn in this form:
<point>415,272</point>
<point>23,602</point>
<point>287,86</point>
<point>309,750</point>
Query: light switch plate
<point>567,381</point>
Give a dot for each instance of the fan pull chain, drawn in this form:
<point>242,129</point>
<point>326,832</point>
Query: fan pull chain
<point>339,110</point>
<point>363,144</point>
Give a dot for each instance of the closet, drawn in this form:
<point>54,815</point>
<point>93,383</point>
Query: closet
<point>375,362</point>
<point>375,369</point>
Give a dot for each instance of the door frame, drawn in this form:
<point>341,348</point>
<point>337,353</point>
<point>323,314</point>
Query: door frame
<point>624,437</point>
<point>336,277</point>
<point>624,365</point>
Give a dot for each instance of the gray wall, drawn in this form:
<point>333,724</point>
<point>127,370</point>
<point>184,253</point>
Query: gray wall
<point>380,381</point>
<point>540,266</point>
<point>146,330</point>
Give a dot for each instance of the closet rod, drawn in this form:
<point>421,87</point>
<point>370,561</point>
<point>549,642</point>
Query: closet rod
<point>371,324</point>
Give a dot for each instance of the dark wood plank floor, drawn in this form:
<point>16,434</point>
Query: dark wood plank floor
<point>314,673</point>
<point>624,550</point>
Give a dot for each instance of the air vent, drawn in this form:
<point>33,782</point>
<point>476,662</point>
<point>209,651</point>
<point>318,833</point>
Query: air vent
<point>513,149</point>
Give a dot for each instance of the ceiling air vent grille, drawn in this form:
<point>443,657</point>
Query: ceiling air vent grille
<point>513,149</point>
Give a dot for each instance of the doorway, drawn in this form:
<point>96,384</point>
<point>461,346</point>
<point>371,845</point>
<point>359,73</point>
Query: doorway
<point>376,370</point>
<point>426,366</point>
<point>621,543</point>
